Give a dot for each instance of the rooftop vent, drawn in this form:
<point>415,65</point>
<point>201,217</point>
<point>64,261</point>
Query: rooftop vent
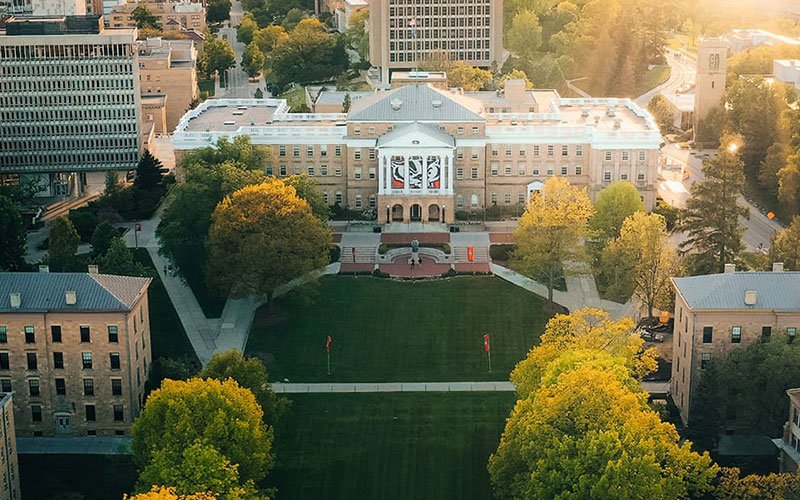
<point>44,268</point>
<point>396,104</point>
<point>610,111</point>
<point>16,300</point>
<point>584,112</point>
<point>750,297</point>
<point>597,119</point>
<point>436,103</point>
<point>72,298</point>
<point>93,269</point>
<point>617,124</point>
<point>777,267</point>
<point>730,268</point>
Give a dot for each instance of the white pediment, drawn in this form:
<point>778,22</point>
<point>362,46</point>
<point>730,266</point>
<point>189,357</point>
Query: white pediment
<point>416,135</point>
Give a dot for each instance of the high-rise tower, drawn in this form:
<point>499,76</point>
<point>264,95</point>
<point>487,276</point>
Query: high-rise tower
<point>712,66</point>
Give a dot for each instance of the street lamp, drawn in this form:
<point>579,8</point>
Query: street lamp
<point>733,147</point>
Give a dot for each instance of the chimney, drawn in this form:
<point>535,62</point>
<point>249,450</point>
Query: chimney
<point>93,269</point>
<point>515,90</point>
<point>730,268</point>
<point>777,267</point>
<point>16,300</point>
<point>72,298</point>
<point>750,297</point>
<point>43,268</point>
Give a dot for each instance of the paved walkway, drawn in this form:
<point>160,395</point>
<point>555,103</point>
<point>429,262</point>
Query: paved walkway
<point>79,445</point>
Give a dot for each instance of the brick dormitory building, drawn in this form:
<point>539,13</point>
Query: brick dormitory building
<point>422,152</point>
<point>75,351</point>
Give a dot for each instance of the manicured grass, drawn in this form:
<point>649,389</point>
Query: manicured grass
<point>388,331</point>
<point>93,477</point>
<point>294,97</point>
<point>211,303</point>
<point>167,336</point>
<point>652,79</point>
<point>206,86</point>
<point>389,446</point>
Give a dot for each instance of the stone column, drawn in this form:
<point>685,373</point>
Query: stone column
<point>406,183</point>
<point>424,174</point>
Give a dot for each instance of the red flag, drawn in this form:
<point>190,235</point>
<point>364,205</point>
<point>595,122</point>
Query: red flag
<point>486,343</point>
<point>328,344</point>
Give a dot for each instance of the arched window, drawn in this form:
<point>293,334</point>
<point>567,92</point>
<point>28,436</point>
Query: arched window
<point>474,201</point>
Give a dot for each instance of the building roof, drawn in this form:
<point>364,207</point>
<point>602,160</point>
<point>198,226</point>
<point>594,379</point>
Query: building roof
<point>416,103</point>
<point>776,291</point>
<point>46,292</point>
<point>681,102</point>
<point>336,97</point>
<point>417,130</point>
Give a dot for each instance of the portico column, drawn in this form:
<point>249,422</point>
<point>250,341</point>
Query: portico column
<point>444,172</point>
<point>424,174</point>
<point>406,180</point>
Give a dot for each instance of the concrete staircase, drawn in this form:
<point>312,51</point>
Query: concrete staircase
<point>358,255</point>
<point>481,254</point>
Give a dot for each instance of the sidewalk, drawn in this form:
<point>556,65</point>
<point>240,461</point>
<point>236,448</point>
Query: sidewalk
<point>286,388</point>
<point>80,445</point>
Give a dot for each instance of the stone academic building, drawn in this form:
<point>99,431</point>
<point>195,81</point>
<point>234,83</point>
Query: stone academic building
<point>422,153</point>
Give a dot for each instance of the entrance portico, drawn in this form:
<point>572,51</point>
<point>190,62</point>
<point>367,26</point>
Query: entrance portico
<point>415,175</point>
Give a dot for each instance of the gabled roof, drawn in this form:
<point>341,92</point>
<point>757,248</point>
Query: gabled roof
<point>416,103</point>
<point>417,131</point>
<point>46,292</point>
<point>775,291</point>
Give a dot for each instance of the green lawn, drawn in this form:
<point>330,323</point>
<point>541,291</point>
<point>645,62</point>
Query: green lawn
<point>93,477</point>
<point>652,79</point>
<point>389,331</point>
<point>294,97</point>
<point>389,446</point>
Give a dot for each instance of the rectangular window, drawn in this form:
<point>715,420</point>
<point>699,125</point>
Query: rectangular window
<point>494,198</point>
<point>357,154</point>
<point>114,358</point>
<point>311,172</point>
<point>85,334</point>
<point>791,332</point>
<point>296,151</point>
<point>113,334</point>
<point>3,335</point>
<point>338,197</point>
<point>282,150</point>
<point>4,364</point>
<point>705,358</point>
<point>337,151</point>
<point>474,172</point>
<point>642,155</point>
<point>91,414</point>
<point>475,130</point>
<point>323,151</point>
<point>88,387</point>
<point>578,170</point>
<point>58,360</point>
<point>5,385</point>
<point>507,198</point>
<point>372,173</point>
<point>766,333</point>
<point>32,362</point>
<point>508,150</point>
<point>36,413</point>
<point>357,173</point>
<point>310,151</point>
<point>507,169</point>
<point>608,156</point>
<point>337,171</point>
<point>33,386</point>
<point>625,156</point>
<point>551,150</point>
<point>565,170</point>
<point>61,386</point>
<point>607,175</point>
<point>736,334</point>
<point>86,359</point>
<point>459,173</point>
<point>371,154</point>
<point>521,169</point>
<point>116,387</point>
<point>579,150</point>
<point>323,170</point>
<point>708,333</point>
<point>30,335</point>
<point>521,198</point>
<point>118,416</point>
<point>495,169</point>
<point>564,150</point>
<point>536,150</point>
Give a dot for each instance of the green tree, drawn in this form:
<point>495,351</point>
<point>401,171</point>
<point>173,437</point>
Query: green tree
<point>711,218</point>
<point>221,421</point>
<point>462,75</point>
<point>252,60</point>
<point>551,229</point>
<point>615,203</point>
<point>217,56</point>
<point>755,487</point>
<point>143,17</point>
<point>643,255</point>
<point>104,234</point>
<point>247,28</point>
<point>239,152</point>
<point>267,38</point>
<point>118,259</point>
<point>249,373</point>
<point>63,244</point>
<point>308,189</point>
<point>524,37</point>
<point>148,172</point>
<point>789,184</point>
<point>218,11</point>
<point>12,251</point>
<point>708,129</point>
<point>293,18</point>
<point>786,246</point>
<point>264,236</point>
<point>357,33</point>
<point>515,74</point>
<point>346,103</point>
<point>660,111</point>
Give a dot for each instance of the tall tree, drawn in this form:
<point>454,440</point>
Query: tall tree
<point>614,204</point>
<point>247,28</point>
<point>218,11</point>
<point>308,189</point>
<point>217,56</point>
<point>357,33</point>
<point>220,421</point>
<point>63,244</point>
<point>167,493</point>
<point>148,172</point>
<point>104,234</point>
<point>786,246</point>
<point>143,17</point>
<point>524,37</point>
<point>551,230</point>
<point>264,236</point>
<point>253,60</point>
<point>647,259</point>
<point>249,373</point>
<point>462,75</point>
<point>267,38</point>
<point>118,259</point>
<point>12,251</point>
<point>711,218</point>
<point>756,487</point>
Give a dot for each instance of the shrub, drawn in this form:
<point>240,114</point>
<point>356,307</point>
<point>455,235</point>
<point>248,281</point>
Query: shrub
<point>335,253</point>
<point>377,273</point>
<point>85,221</point>
<point>502,252</point>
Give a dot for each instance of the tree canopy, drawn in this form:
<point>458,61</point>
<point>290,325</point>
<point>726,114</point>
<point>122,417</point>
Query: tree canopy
<point>264,236</point>
<point>615,203</point>
<point>118,259</point>
<point>143,17</point>
<point>12,251</point>
<point>217,56</point>
<point>201,436</point>
<point>218,11</point>
<point>469,78</point>
<point>63,244</point>
<point>786,246</point>
<point>148,172</point>
<point>551,229</point>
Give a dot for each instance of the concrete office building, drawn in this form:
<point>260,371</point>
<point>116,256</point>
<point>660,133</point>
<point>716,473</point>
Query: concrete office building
<point>422,153</point>
<point>75,350</point>
<point>69,103</point>
<point>171,16</point>
<point>719,313</point>
<point>8,458</point>
<point>403,33</point>
<point>168,68</point>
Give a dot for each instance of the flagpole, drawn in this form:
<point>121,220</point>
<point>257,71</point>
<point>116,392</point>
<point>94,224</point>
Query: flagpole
<point>329,363</point>
<point>489,354</point>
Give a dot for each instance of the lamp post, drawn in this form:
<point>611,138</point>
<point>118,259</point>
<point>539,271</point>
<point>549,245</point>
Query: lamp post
<point>388,214</point>
<point>444,219</point>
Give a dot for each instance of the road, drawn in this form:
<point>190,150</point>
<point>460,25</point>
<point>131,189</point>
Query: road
<point>239,86</point>
<point>681,76</point>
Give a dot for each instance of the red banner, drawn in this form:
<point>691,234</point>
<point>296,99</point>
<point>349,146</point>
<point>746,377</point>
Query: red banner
<point>470,253</point>
<point>328,344</point>
<point>486,346</point>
